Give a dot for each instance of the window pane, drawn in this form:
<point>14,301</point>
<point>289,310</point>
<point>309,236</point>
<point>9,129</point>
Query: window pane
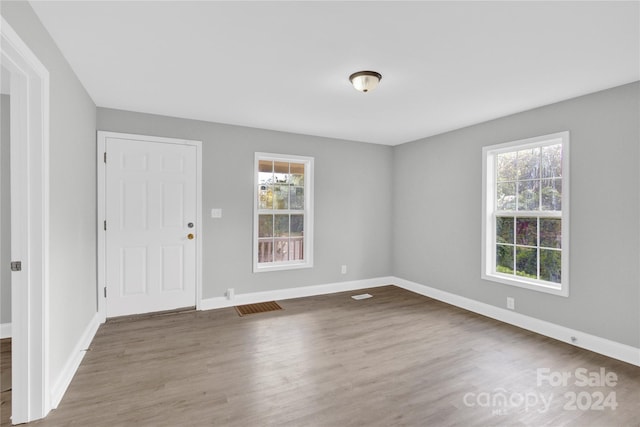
<point>265,177</point>
<point>550,233</point>
<point>506,197</point>
<point>297,180</point>
<point>529,163</point>
<point>297,225</point>
<point>281,197</point>
<point>296,248</point>
<point>296,168</point>
<point>552,194</point>
<point>504,259</point>
<point>281,227</point>
<point>528,195</point>
<point>296,242</point>
<point>281,250</point>
<point>265,166</point>
<point>265,250</point>
<point>527,231</point>
<point>552,161</point>
<point>507,167</point>
<point>265,226</point>
<point>265,197</point>
<point>550,265</point>
<point>297,197</point>
<point>281,172</point>
<point>526,262</point>
<point>504,230</point>
<point>281,167</point>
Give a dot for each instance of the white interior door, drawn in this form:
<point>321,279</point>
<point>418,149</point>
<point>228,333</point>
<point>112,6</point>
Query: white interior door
<point>151,228</point>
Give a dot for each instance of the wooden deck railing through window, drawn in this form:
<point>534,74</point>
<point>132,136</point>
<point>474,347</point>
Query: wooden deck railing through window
<point>278,249</point>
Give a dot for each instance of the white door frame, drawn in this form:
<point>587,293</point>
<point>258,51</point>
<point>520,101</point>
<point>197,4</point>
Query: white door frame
<point>29,227</point>
<point>101,140</point>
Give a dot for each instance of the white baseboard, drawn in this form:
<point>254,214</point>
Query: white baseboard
<point>64,379</point>
<point>5,330</point>
<point>613,349</point>
<point>304,291</point>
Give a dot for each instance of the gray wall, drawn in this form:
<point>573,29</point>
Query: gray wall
<point>352,206</point>
<point>5,212</point>
<point>437,216</point>
<point>72,183</point>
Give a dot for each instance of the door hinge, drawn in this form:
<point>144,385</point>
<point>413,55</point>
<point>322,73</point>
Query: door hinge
<point>16,265</point>
<point>105,225</point>
<point>105,157</point>
<point>105,291</point>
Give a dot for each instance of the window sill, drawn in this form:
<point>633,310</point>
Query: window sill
<point>559,290</point>
<point>281,267</point>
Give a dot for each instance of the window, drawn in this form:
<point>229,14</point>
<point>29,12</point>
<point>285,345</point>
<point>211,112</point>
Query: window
<point>283,212</point>
<point>525,213</point>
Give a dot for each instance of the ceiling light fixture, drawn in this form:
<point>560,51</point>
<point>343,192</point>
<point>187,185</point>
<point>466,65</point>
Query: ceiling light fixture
<point>365,81</point>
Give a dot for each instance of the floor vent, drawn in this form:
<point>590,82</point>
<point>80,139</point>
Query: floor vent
<point>361,296</point>
<point>261,307</point>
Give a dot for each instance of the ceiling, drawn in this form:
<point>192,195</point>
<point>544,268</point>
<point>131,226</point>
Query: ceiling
<point>285,65</point>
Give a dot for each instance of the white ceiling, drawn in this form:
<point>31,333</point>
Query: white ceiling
<point>285,65</point>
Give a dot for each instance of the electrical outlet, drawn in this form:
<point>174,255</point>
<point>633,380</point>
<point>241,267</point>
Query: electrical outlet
<point>511,303</point>
<point>230,293</point>
<point>343,269</point>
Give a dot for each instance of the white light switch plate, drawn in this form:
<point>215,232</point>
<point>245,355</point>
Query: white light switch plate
<point>216,213</point>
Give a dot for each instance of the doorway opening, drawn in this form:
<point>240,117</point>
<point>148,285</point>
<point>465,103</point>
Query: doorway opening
<point>5,249</point>
<point>29,173</point>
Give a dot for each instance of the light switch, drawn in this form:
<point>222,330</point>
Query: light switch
<point>216,213</point>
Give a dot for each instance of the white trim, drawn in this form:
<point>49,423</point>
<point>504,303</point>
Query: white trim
<point>61,384</point>
<point>304,291</point>
<point>488,244</point>
<point>29,82</point>
<point>5,330</point>
<point>307,262</point>
<point>101,144</point>
<point>584,340</point>
<point>101,217</point>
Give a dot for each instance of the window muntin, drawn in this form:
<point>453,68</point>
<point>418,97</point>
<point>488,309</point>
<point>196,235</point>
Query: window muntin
<point>282,215</point>
<point>525,227</point>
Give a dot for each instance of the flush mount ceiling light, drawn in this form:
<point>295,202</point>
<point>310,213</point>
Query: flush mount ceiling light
<point>365,81</point>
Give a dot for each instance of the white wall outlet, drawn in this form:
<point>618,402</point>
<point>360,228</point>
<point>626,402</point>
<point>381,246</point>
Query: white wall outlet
<point>216,213</point>
<point>230,293</point>
<point>343,269</point>
<point>511,303</point>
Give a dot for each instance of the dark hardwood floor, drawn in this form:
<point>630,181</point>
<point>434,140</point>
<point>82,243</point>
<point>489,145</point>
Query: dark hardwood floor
<point>397,359</point>
<point>5,381</point>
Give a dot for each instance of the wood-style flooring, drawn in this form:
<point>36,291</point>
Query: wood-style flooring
<point>397,359</point>
<point>5,381</point>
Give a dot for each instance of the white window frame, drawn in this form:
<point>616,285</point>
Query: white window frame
<point>489,212</point>
<point>307,262</point>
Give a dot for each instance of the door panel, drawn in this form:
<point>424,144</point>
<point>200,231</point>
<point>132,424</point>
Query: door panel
<point>172,268</point>
<point>150,192</point>
<point>133,269</point>
<point>172,204</point>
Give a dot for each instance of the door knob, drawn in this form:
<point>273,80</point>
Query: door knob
<point>190,236</point>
